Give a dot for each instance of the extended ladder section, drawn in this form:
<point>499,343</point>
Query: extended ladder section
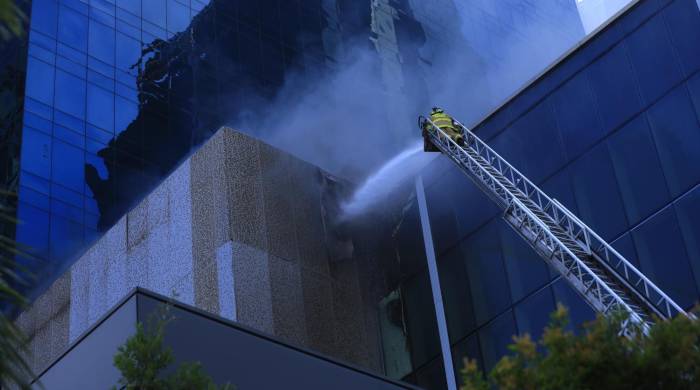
<point>603,277</point>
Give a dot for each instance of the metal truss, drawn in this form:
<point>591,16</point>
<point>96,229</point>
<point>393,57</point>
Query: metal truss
<point>601,275</point>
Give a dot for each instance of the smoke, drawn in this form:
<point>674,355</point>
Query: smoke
<point>336,120</point>
<point>349,122</point>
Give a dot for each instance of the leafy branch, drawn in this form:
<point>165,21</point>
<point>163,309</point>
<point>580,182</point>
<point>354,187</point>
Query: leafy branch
<point>599,358</point>
<point>142,359</point>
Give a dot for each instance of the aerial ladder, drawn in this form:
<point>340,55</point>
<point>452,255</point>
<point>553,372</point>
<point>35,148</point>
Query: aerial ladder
<point>607,281</point>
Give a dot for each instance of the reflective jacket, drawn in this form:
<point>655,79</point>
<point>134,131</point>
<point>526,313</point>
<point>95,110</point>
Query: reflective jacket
<point>442,120</point>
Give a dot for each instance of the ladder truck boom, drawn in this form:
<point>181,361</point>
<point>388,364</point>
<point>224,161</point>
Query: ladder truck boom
<point>601,275</point>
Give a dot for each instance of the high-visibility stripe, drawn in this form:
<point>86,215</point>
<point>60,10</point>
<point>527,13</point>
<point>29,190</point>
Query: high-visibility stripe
<point>441,120</point>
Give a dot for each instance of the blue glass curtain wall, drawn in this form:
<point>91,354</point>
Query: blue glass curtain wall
<point>117,92</point>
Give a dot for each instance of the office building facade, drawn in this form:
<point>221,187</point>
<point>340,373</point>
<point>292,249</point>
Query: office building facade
<point>118,93</point>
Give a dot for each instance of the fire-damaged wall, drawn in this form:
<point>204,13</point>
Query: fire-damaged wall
<point>241,230</point>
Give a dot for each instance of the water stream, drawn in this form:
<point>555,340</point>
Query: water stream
<point>387,178</point>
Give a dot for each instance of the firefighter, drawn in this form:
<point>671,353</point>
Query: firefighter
<point>447,124</point>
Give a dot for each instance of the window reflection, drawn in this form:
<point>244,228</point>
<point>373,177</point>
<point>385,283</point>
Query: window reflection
<point>102,42</point>
<point>72,28</point>
<point>70,94</point>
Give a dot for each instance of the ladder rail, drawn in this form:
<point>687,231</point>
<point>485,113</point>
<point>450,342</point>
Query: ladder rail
<point>660,303</point>
<point>597,287</point>
<point>649,290</point>
<point>601,288</point>
<point>630,271</point>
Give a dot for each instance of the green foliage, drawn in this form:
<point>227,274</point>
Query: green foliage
<point>142,359</point>
<point>14,369</point>
<point>599,358</point>
<point>11,19</point>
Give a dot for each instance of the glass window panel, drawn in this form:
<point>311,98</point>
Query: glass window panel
<point>625,246</point>
<point>36,152</point>
<point>675,129</point>
<point>67,196</point>
<point>178,16</point>
<point>420,319</point>
<point>615,87</point>
<point>559,187</point>
<point>525,269</point>
<point>68,165</point>
<point>73,28</point>
<point>102,42</point>
<point>37,122</point>
<point>654,61</point>
<point>127,92</point>
<point>532,315</point>
<point>34,182</point>
<point>38,108</point>
<point>106,18</point>
<point>154,11</point>
<point>67,211</point>
<point>69,136</point>
<point>597,194</point>
<point>41,53</point>
<point>72,54</point>
<point>78,5</point>
<point>688,211</point>
<point>495,338</point>
<point>487,275</point>
<point>536,134</point>
<point>432,376</point>
<point>42,40</point>
<point>40,77</point>
<point>101,80</point>
<point>44,16</point>
<point>98,163</point>
<point>66,238</point>
<point>101,67</point>
<point>92,221</point>
<point>579,311</point>
<point>456,295</point>
<point>133,6</point>
<point>153,34</point>
<point>103,5</point>
<point>694,88</point>
<point>441,214</point>
<point>682,21</point>
<point>128,53</point>
<point>100,107</point>
<point>71,67</point>
<point>99,134</point>
<point>69,121</point>
<point>34,229</point>
<point>126,113</point>
<point>35,198</point>
<point>471,206</point>
<point>663,256</point>
<point>409,238</point>
<point>577,115</point>
<point>129,30</point>
<point>92,146</point>
<point>70,94</point>
<point>638,170</point>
